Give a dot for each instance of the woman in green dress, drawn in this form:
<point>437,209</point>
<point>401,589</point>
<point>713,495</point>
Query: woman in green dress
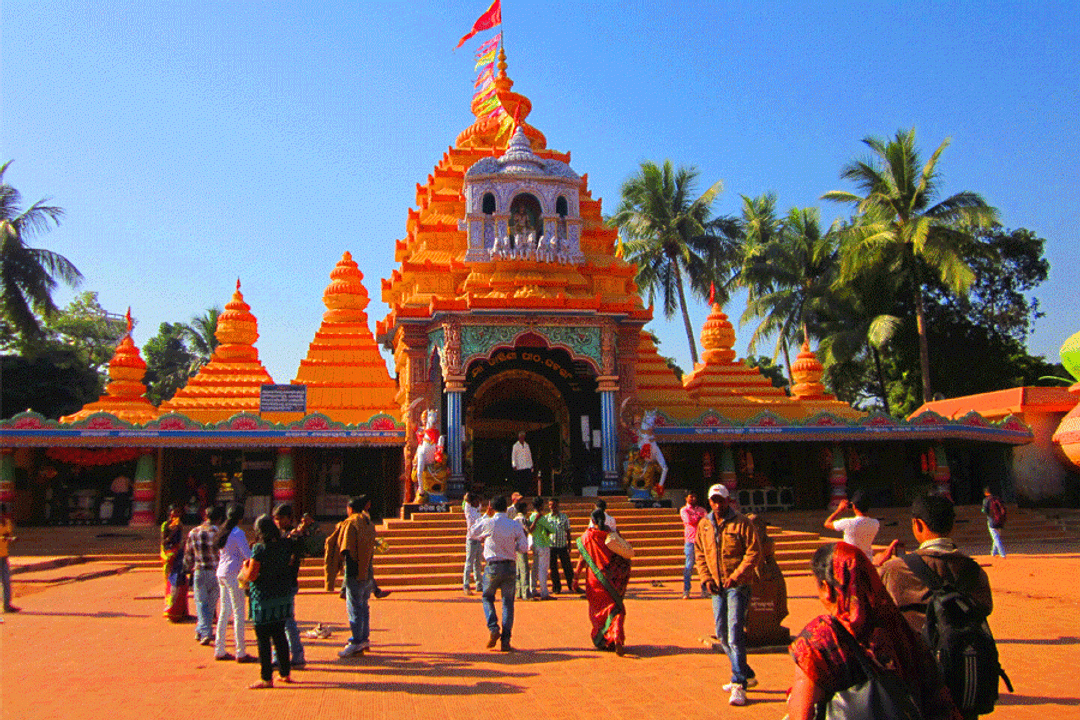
<point>270,575</point>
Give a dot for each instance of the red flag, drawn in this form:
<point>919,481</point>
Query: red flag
<point>491,17</point>
<point>712,293</point>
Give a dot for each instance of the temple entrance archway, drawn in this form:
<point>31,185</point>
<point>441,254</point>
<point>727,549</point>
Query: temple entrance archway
<point>541,392</point>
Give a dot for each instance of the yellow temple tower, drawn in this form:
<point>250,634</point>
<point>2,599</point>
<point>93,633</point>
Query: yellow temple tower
<point>345,375</point>
<point>231,382</point>
<point>125,395</point>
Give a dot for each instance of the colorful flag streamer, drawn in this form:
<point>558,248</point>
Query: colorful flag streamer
<point>491,17</point>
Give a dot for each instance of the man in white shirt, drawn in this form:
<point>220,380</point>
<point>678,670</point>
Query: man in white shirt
<point>503,539</point>
<point>860,530</point>
<point>521,461</point>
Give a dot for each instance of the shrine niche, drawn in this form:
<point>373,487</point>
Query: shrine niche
<point>522,207</point>
<point>525,220</point>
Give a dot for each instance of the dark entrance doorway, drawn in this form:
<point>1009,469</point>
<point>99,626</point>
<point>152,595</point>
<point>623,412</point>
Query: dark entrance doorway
<point>543,393</point>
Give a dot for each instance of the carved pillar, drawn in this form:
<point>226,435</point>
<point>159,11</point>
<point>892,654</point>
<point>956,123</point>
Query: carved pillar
<point>284,480</point>
<point>942,477</point>
<point>609,445</point>
<point>837,477</point>
<point>7,476</point>
<point>455,391</point>
<point>142,506</point>
<point>454,387</point>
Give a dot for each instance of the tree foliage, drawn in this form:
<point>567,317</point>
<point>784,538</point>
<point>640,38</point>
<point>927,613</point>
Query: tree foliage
<point>789,266</point>
<point>169,362</point>
<point>28,275</point>
<point>674,239</point>
<point>901,225</point>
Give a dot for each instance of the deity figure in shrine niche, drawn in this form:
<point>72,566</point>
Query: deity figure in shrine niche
<point>525,218</point>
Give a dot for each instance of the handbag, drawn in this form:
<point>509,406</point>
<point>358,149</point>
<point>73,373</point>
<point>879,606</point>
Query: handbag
<point>882,695</point>
<point>248,573</point>
<point>616,544</point>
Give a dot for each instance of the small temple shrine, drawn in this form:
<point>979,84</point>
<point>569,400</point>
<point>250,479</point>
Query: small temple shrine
<point>511,310</point>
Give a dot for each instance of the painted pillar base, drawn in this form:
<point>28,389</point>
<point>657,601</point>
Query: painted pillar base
<point>942,477</point>
<point>7,475</point>
<point>284,480</point>
<point>142,501</point>
<point>837,478</point>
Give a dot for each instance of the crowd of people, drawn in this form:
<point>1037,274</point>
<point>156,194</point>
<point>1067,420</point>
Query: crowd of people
<point>233,580</point>
<point>875,622</point>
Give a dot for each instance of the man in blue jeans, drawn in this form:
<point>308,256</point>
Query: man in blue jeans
<point>727,550</point>
<point>691,514</point>
<point>201,562</point>
<point>503,539</point>
<point>357,547</point>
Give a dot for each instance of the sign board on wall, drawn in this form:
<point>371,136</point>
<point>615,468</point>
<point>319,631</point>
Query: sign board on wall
<point>283,398</point>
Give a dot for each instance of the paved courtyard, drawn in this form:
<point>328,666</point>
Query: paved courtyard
<point>93,644</point>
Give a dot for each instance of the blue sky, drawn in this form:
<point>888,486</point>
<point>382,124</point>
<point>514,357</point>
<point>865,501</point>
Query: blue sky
<point>192,143</point>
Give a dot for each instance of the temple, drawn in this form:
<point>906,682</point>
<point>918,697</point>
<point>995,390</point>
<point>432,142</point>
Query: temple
<point>511,310</point>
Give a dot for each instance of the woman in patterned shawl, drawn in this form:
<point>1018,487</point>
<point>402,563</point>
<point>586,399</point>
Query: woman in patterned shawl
<point>862,618</point>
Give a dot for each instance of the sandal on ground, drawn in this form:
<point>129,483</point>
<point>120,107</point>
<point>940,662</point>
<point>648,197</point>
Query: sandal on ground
<point>261,685</point>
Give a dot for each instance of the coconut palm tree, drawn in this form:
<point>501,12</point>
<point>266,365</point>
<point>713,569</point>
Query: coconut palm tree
<point>200,337</point>
<point>789,268</point>
<point>28,275</point>
<point>900,226</point>
<point>862,319</point>
<point>674,240</point>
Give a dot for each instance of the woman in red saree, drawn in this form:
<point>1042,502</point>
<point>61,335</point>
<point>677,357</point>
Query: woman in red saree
<point>172,555</point>
<point>861,618</point>
<point>605,585</point>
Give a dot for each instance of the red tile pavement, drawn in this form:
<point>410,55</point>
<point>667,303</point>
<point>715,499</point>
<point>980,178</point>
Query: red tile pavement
<point>97,648</point>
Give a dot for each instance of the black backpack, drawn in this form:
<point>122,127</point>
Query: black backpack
<point>959,638</point>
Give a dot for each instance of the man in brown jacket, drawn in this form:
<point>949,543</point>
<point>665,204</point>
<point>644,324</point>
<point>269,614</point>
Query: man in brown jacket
<point>932,518</point>
<point>726,552</point>
<point>356,547</point>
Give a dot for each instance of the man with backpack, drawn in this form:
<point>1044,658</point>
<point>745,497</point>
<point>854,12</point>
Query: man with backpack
<point>945,596</point>
<point>994,509</point>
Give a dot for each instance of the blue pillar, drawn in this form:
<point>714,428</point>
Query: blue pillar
<point>456,484</point>
<point>609,441</point>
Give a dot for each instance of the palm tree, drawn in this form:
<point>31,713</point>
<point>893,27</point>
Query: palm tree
<point>898,227</point>
<point>28,275</point>
<point>789,268</point>
<point>861,318</point>
<point>200,337</point>
<point>673,238</point>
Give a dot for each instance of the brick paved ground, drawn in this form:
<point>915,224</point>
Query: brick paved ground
<point>97,647</point>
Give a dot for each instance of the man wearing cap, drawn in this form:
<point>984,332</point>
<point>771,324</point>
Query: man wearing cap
<point>726,551</point>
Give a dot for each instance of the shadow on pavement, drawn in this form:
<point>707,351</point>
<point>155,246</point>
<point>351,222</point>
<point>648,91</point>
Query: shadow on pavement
<point>411,688</point>
<point>1063,640</point>
<point>1010,699</point>
<point>104,614</point>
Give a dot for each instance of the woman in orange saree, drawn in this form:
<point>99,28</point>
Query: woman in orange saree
<point>607,575</point>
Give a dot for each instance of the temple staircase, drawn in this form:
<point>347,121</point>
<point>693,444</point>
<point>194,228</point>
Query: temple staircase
<point>427,552</point>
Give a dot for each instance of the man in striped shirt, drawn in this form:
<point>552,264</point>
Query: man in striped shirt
<point>201,561</point>
<point>560,548</point>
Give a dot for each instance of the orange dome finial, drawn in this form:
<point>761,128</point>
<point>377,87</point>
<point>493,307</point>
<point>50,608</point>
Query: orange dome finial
<point>717,336</point>
<point>806,371</point>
